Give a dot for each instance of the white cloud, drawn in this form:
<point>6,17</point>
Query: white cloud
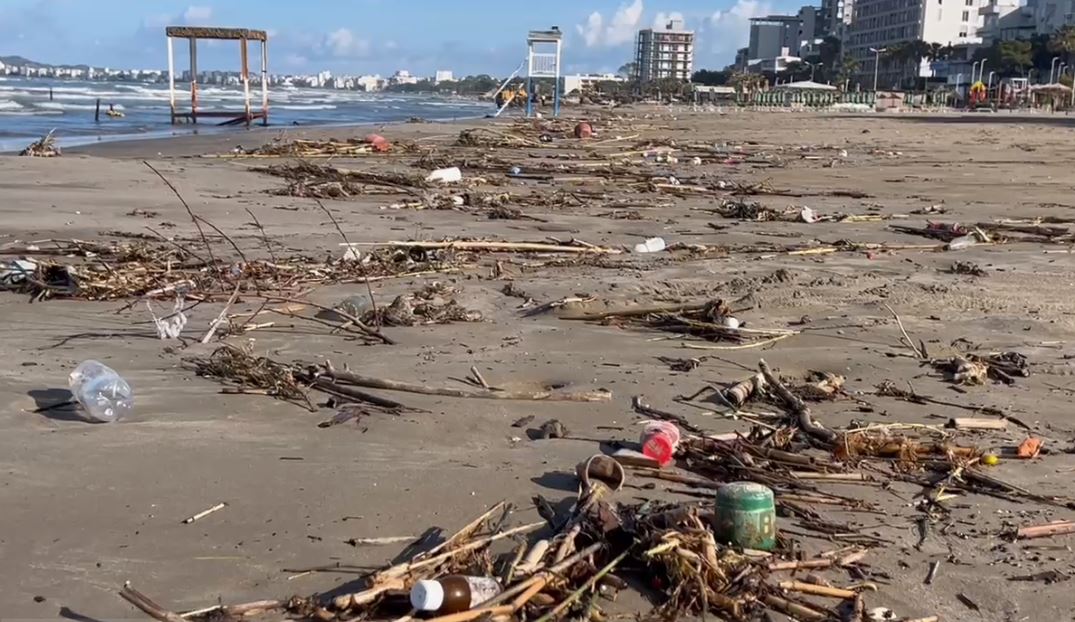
<point>730,29</point>
<point>295,60</point>
<point>195,14</point>
<point>661,19</point>
<point>343,43</point>
<point>620,28</point>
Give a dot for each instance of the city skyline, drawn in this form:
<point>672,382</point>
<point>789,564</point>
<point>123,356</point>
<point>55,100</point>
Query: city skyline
<point>372,36</point>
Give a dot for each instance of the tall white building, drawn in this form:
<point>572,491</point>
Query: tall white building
<point>884,24</point>
<point>665,54</point>
<point>403,77</point>
<point>443,75</point>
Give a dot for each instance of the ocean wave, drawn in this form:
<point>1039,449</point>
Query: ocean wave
<point>303,106</point>
<point>7,105</point>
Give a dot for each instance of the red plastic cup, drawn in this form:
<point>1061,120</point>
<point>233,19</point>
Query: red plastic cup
<point>659,441</point>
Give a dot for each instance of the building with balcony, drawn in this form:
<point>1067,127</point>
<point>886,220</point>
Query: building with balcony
<point>880,25</point>
<point>664,54</point>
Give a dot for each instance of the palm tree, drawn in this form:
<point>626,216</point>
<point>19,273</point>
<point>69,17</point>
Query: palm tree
<point>848,67</point>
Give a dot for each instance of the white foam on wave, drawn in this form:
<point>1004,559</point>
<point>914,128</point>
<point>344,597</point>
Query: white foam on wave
<point>304,106</point>
<point>8,105</point>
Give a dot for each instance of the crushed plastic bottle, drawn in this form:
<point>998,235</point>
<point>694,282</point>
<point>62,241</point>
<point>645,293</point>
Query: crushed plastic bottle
<point>652,245</point>
<point>103,394</point>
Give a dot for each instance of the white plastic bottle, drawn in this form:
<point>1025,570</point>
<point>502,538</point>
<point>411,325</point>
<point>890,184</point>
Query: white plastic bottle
<point>104,394</point>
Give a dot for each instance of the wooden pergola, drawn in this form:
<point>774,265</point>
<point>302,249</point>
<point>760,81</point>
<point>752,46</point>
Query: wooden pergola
<point>242,35</point>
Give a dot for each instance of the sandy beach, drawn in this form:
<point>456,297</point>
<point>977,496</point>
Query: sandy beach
<point>90,506</point>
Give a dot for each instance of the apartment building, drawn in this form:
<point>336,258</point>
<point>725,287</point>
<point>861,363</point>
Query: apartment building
<point>783,37</point>
<point>665,54</point>
<point>884,24</point>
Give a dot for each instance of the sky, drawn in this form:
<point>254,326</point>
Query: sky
<point>351,37</point>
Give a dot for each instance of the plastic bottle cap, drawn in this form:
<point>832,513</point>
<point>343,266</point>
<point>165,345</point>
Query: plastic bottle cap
<point>427,595</point>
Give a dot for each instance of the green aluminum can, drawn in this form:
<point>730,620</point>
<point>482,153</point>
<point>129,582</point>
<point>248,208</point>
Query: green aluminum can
<point>746,516</point>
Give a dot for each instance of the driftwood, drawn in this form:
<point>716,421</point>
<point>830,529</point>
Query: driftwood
<point>797,406</point>
<point>409,387</point>
<point>522,247</point>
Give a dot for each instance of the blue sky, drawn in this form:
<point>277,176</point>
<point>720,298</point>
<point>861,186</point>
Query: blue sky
<point>370,36</point>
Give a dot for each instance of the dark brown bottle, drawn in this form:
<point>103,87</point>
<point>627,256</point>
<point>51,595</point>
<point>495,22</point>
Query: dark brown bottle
<point>452,593</point>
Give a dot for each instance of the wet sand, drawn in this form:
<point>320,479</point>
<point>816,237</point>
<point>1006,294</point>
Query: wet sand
<point>87,507</point>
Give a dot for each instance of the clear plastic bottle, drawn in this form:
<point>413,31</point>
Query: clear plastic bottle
<point>103,393</point>
<point>453,593</point>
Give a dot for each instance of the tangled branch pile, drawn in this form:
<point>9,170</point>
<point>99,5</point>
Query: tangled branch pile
<point>46,147</point>
<point>328,182</point>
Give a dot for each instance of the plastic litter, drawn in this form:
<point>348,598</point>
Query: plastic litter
<point>453,593</point>
<point>652,245</point>
<point>14,273</point>
<point>659,441</point>
<point>583,130</point>
<point>379,143</point>
<point>446,175</point>
<point>103,393</point>
<point>746,516</point>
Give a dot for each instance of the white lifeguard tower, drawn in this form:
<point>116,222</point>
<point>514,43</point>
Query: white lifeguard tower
<point>543,61</point>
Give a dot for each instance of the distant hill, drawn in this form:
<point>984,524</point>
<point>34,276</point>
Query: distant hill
<point>26,62</point>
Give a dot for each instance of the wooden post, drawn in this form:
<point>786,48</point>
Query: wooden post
<point>244,75</point>
<point>265,81</point>
<point>193,80</point>
<point>171,78</point>
<point>97,112</point>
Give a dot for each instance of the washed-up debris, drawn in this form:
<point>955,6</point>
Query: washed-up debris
<point>432,304</point>
<point>708,321</point>
<point>45,147</point>
<point>329,182</point>
<point>305,148</point>
<point>486,137</point>
<point>976,368</point>
<point>967,267</point>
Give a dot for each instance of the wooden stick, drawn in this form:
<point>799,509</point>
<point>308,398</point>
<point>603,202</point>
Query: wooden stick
<point>816,590</point>
<point>147,606</point>
<point>204,513</point>
<point>473,614</point>
<point>541,577</point>
<point>801,612</point>
<point>1057,528</point>
<point>744,346</point>
<point>223,313</point>
<point>365,270</point>
<point>806,420</point>
<point>533,247</point>
<point>407,387</point>
<point>907,338</point>
<point>209,249</point>
<point>478,377</point>
<point>405,569</point>
<point>976,423</point>
<point>350,318</point>
<point>803,564</point>
<point>588,585</point>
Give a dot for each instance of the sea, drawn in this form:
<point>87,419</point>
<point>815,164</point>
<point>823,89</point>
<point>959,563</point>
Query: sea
<point>27,112</point>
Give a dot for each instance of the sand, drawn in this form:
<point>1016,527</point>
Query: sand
<point>87,507</point>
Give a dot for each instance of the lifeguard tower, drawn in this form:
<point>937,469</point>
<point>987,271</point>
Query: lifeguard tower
<point>243,36</point>
<point>543,61</point>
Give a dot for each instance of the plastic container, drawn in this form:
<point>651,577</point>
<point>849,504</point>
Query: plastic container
<point>452,593</point>
<point>659,441</point>
<point>652,245</point>
<point>103,394</point>
<point>746,516</point>
<point>446,175</point>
